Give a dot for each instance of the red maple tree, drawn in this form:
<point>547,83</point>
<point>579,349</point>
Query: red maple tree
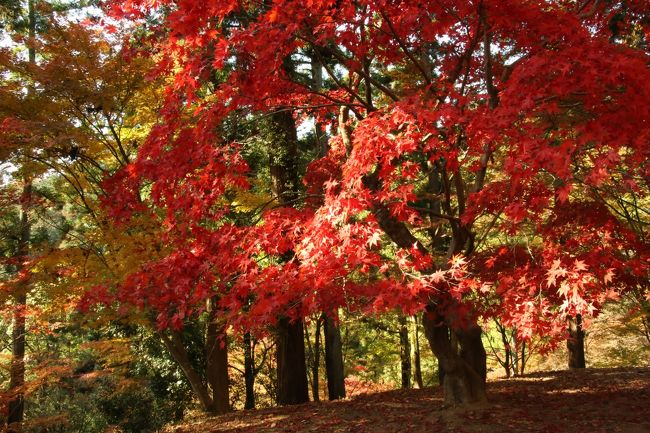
<point>479,149</point>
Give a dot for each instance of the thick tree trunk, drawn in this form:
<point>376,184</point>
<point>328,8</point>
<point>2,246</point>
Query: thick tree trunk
<point>283,163</point>
<point>472,350</point>
<point>293,387</point>
<point>418,362</point>
<point>292,371</point>
<point>576,342</point>
<point>405,351</point>
<point>176,347</point>
<point>249,371</point>
<point>334,359</point>
<point>216,357</point>
<point>464,372</point>
<point>441,374</point>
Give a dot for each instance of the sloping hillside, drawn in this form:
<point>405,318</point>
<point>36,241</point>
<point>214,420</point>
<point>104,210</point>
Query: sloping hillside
<point>589,401</point>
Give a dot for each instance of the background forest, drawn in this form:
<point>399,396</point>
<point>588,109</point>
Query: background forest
<point>232,205</point>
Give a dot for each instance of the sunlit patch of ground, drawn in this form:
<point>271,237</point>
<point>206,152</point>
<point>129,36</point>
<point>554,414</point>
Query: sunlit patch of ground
<point>587,401</point>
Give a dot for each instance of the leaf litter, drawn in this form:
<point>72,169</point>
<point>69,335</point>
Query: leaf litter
<point>571,401</point>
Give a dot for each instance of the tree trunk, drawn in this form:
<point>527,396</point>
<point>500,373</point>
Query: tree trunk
<point>316,362</point>
<point>216,357</point>
<point>464,372</point>
<point>576,342</point>
<point>405,352</point>
<point>317,83</point>
<point>249,371</point>
<point>522,365</point>
<point>418,363</point>
<point>292,371</point>
<point>176,347</point>
<point>472,350</point>
<point>441,371</point>
<point>506,347</point>
<point>334,359</point>
<point>283,164</point>
<point>515,360</point>
<point>293,387</point>
<point>16,405</point>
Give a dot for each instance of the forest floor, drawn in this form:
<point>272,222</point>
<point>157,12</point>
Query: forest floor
<point>586,401</point>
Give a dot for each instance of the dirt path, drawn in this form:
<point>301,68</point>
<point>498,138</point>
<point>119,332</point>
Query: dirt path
<point>588,401</point>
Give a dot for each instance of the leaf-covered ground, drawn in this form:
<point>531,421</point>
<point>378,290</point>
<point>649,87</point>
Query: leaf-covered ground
<point>588,401</point>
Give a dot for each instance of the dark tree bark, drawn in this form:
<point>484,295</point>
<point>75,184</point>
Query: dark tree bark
<point>283,164</point>
<point>292,372</point>
<point>576,342</point>
<point>249,371</point>
<point>216,357</point>
<point>405,351</point>
<point>293,387</point>
<point>464,372</point>
<point>418,363</point>
<point>507,363</point>
<point>472,350</point>
<point>441,372</point>
<point>334,359</point>
<point>315,367</point>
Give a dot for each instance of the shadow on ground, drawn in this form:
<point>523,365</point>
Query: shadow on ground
<point>581,401</point>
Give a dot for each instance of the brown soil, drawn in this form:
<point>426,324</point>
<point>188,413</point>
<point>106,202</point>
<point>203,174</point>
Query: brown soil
<point>586,401</point>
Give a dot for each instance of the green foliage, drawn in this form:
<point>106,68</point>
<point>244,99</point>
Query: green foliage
<point>89,405</point>
<point>102,382</point>
<point>371,350</point>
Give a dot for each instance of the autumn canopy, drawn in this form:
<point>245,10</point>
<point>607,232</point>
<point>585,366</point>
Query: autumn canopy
<point>478,161</point>
<point>469,160</point>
